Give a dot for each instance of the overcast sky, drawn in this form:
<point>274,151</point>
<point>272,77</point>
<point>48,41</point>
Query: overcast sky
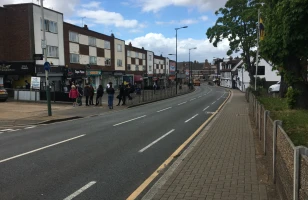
<point>147,23</point>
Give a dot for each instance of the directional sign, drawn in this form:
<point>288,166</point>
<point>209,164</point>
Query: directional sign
<point>38,56</point>
<point>47,66</point>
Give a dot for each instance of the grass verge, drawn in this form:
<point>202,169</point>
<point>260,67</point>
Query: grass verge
<point>295,122</point>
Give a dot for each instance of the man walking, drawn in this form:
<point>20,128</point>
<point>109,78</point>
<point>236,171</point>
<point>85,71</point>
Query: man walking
<point>87,93</point>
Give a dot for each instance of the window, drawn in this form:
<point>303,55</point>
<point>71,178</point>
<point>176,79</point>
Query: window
<point>157,66</point>
<point>167,63</point>
<point>137,55</point>
<point>137,68</point>
<point>74,58</point>
<point>144,68</point>
<point>107,61</point>
<point>161,67</point>
<point>50,26</point>
<point>92,60</point>
<point>143,56</point>
<point>107,44</point>
<point>119,48</point>
<point>52,51</point>
<point>261,70</point>
<point>92,41</point>
<point>128,67</point>
<point>150,57</point>
<point>119,63</point>
<point>128,53</point>
<point>150,68</point>
<point>167,71</point>
<point>73,37</point>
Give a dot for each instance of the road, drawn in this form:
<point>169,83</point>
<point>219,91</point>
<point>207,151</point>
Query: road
<point>102,157</point>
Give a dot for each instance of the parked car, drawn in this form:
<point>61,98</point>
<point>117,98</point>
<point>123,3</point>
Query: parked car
<point>3,94</point>
<point>274,88</point>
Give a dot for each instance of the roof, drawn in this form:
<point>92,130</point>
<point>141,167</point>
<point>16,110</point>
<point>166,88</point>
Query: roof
<point>238,65</point>
<point>22,4</point>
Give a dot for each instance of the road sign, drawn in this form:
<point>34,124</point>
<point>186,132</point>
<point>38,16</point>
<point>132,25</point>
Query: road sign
<point>43,44</point>
<point>38,56</point>
<point>47,66</point>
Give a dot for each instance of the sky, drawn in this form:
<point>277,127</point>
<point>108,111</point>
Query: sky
<point>148,23</point>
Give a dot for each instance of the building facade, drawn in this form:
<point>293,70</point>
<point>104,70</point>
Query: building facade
<point>150,67</point>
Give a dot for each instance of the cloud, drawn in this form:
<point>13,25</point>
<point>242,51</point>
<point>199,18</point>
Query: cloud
<point>204,18</point>
<point>109,18</point>
<point>67,7</point>
<point>158,43</point>
<point>157,5</point>
<point>182,22</point>
<point>92,4</point>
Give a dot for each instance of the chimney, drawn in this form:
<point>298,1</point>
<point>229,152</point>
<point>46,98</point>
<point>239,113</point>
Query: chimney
<point>86,27</point>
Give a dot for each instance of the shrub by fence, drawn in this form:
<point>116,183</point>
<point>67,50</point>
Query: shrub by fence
<point>288,164</point>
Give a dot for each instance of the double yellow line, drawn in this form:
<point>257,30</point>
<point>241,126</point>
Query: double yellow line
<point>147,182</point>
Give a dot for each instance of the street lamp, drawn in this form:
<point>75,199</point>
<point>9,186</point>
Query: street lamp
<point>176,58</point>
<point>190,67</point>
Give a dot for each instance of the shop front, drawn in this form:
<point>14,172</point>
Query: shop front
<point>118,76</point>
<point>106,78</point>
<point>74,77</point>
<point>16,75</point>
<point>55,77</point>
<point>94,77</point>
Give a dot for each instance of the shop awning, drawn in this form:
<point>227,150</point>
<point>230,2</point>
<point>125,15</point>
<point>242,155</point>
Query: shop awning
<point>137,78</point>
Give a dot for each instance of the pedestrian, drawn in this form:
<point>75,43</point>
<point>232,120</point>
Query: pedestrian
<point>110,92</point>
<point>27,85</point>
<point>122,96</point>
<point>73,94</point>
<point>127,92</point>
<point>87,93</point>
<point>91,95</point>
<point>99,94</point>
<point>80,91</point>
<point>154,87</point>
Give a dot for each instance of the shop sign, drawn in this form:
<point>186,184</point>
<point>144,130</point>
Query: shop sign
<point>16,68</point>
<point>79,72</point>
<point>118,73</point>
<point>35,82</point>
<point>94,73</point>
<point>6,68</point>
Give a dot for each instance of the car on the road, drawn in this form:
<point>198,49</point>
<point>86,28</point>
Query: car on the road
<point>3,94</point>
<point>274,88</point>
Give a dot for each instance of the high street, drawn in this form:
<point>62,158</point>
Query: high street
<point>102,157</point>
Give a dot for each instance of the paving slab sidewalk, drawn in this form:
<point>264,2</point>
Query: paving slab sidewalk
<point>220,163</point>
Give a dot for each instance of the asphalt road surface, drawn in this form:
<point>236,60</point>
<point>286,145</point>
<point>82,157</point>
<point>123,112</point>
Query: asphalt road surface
<point>102,157</point>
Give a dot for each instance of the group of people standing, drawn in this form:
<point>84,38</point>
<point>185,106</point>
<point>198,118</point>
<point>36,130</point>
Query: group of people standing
<point>76,93</point>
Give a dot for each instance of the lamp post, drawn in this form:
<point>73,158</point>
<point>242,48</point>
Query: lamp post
<point>190,68</point>
<point>176,58</point>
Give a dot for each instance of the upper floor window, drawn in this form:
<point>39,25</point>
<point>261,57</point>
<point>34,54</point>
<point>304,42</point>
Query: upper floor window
<point>107,61</point>
<point>143,56</point>
<point>119,48</point>
<point>52,51</point>
<point>137,55</point>
<point>144,68</point>
<point>50,26</point>
<point>92,60</point>
<point>261,70</point>
<point>150,68</point>
<point>73,37</point>
<point>137,68</point>
<point>107,44</point>
<point>74,58</point>
<point>128,53</point>
<point>128,67</point>
<point>92,41</point>
<point>150,57</point>
<point>119,63</point>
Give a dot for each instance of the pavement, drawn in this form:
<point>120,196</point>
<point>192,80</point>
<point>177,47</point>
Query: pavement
<point>110,156</point>
<point>220,164</point>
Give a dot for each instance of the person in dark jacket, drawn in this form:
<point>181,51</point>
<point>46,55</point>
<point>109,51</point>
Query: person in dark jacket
<point>80,91</point>
<point>122,95</point>
<point>91,95</point>
<point>110,92</point>
<point>127,92</point>
<point>99,94</point>
<point>87,93</point>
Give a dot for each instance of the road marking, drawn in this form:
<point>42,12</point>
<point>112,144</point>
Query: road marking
<point>155,141</point>
<point>150,179</point>
<point>129,120</point>
<point>206,108</point>
<point>191,118</point>
<point>182,103</point>
<point>218,99</point>
<point>192,99</point>
<point>164,109</point>
<point>30,127</point>
<point>75,194</point>
<point>35,150</point>
<point>213,102</point>
<point>199,96</point>
<point>6,130</point>
<point>210,112</point>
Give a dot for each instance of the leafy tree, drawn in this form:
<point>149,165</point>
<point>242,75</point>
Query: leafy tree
<point>237,22</point>
<point>285,45</point>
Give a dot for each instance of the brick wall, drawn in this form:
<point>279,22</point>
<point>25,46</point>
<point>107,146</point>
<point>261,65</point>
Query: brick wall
<point>70,27</point>
<point>18,42</point>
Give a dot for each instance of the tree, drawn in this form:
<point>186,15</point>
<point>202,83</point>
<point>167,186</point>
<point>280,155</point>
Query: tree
<point>285,45</point>
<point>238,23</point>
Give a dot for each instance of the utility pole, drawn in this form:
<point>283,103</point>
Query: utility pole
<point>257,59</point>
<point>45,59</point>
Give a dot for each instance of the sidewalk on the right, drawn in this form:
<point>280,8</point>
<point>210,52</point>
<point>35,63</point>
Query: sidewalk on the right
<point>222,163</point>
